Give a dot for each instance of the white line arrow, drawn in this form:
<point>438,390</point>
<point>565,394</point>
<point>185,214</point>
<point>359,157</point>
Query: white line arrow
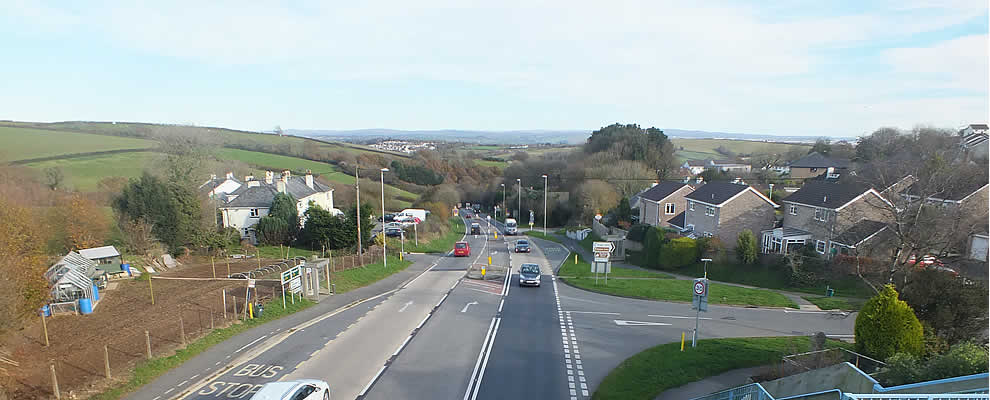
<point>408,303</point>
<point>468,305</point>
<point>638,323</point>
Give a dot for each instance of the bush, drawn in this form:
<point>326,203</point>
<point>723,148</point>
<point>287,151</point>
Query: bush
<point>901,368</point>
<point>746,247</point>
<point>962,359</point>
<point>638,232</point>
<point>679,252</point>
<point>886,325</point>
<point>653,243</point>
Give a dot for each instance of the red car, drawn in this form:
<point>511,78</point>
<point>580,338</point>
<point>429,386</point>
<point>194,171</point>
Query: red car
<point>462,249</point>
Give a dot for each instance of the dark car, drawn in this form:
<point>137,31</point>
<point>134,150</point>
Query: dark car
<point>529,274</point>
<point>389,218</point>
<point>522,246</point>
<point>475,228</point>
<point>393,232</point>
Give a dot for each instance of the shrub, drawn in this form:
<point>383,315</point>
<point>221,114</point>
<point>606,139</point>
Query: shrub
<point>962,359</point>
<point>652,246</point>
<point>638,232</point>
<point>679,252</point>
<point>886,325</point>
<point>901,368</point>
<point>746,247</point>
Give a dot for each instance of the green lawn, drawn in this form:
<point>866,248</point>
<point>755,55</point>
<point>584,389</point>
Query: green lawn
<point>680,290</point>
<point>538,234</point>
<point>347,280</point>
<point>835,303</point>
<point>147,371</point>
<point>442,244</point>
<point>84,173</point>
<point>24,143</point>
<point>647,374</point>
<point>774,277</point>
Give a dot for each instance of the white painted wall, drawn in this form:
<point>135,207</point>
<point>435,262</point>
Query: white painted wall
<point>978,247</point>
<point>323,199</point>
<point>240,218</point>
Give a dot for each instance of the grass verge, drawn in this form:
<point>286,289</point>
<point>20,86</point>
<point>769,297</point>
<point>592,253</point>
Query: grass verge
<point>347,280</point>
<point>835,303</point>
<point>647,374</point>
<point>582,269</point>
<point>680,290</point>
<point>441,244</point>
<point>541,235</point>
<point>147,371</point>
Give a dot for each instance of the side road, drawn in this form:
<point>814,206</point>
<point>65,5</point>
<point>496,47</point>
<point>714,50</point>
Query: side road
<point>220,353</point>
<point>574,246</point>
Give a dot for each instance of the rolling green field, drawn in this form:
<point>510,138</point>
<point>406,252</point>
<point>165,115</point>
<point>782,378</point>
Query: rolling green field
<point>24,143</point>
<point>279,162</point>
<point>84,173</point>
<point>700,149</point>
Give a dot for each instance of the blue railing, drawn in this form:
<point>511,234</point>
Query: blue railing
<point>755,391</point>
<point>752,391</point>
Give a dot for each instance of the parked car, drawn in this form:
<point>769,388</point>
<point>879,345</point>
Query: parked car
<point>475,228</point>
<point>393,232</point>
<point>529,274</point>
<point>462,249</point>
<point>388,218</point>
<point>303,389</point>
<point>522,246</point>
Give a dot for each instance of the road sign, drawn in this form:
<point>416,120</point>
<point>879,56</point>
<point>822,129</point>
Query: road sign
<point>598,217</point>
<point>699,288</point>
<point>700,292</point>
<point>602,256</point>
<point>603,246</point>
<point>250,283</point>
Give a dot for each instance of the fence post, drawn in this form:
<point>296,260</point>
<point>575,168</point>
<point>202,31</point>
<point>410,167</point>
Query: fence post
<point>55,382</point>
<point>211,318</point>
<point>182,331</point>
<point>147,343</point>
<point>106,360</point>
<point>44,325</point>
<point>223,294</point>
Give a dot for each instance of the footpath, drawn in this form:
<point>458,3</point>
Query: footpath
<point>575,246</point>
<point>327,304</point>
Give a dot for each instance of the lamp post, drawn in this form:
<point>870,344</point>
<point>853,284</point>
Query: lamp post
<point>771,192</point>
<point>545,184</point>
<point>505,210</point>
<point>519,199</point>
<point>706,261</point>
<point>384,256</point>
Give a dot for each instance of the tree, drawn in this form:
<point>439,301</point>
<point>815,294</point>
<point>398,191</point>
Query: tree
<point>172,210</point>
<point>822,146</point>
<point>281,225</point>
<point>54,177</point>
<point>955,308</point>
<point>22,265</point>
<point>367,222</point>
<point>520,156</point>
<point>886,325</point>
<point>714,175</point>
<point>622,211</point>
<point>78,223</point>
<point>595,196</point>
<point>746,247</point>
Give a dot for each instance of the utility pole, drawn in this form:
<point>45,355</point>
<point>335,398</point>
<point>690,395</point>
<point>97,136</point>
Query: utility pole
<point>357,192</point>
<point>384,255</point>
<point>505,209</point>
<point>519,199</point>
<point>546,182</point>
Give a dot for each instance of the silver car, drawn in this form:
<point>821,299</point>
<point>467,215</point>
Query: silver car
<point>529,275</point>
<point>303,389</point>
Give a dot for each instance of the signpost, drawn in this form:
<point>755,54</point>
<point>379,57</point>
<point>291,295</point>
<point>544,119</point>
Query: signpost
<point>603,251</point>
<point>699,303</point>
<point>292,277</point>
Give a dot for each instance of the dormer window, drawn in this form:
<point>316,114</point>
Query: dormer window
<point>793,209</point>
<point>821,215</point>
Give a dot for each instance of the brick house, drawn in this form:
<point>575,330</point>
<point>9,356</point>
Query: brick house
<point>724,210</point>
<point>834,217</point>
<point>815,164</point>
<point>662,202</point>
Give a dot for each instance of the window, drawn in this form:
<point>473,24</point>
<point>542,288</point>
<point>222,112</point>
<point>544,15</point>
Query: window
<point>707,234</point>
<point>254,213</point>
<point>820,246</point>
<point>668,208</point>
<point>793,210</point>
<point>691,205</point>
<point>821,214</point>
<point>710,211</point>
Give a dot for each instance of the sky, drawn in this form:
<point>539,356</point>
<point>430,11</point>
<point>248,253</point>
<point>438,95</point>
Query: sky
<point>816,68</point>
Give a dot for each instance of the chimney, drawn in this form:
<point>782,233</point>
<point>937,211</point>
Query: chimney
<point>286,174</point>
<point>280,186</point>
<point>309,178</point>
<point>213,177</point>
<point>269,176</point>
<point>248,178</point>
<point>653,184</point>
<point>230,175</point>
<point>825,199</point>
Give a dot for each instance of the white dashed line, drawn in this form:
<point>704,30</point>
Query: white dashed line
<point>182,383</point>
<point>169,391</point>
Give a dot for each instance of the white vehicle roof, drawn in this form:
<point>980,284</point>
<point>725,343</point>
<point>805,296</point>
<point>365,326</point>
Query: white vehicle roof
<point>281,390</point>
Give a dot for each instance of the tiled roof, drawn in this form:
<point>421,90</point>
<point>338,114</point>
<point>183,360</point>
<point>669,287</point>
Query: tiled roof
<point>263,194</point>
<point>826,194</point>
<point>954,192</point>
<point>677,221</point>
<point>859,232</point>
<point>662,190</point>
<point>816,160</point>
<point>716,192</point>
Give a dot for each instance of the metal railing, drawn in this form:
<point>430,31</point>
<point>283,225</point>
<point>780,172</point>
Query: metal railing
<point>752,391</point>
<point>874,396</point>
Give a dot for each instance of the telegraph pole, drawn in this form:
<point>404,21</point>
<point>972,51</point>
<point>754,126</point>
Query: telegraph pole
<point>357,192</point>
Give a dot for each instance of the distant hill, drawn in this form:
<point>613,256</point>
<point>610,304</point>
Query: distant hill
<point>526,136</point>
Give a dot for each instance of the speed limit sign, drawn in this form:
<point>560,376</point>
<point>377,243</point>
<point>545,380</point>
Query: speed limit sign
<point>700,287</point>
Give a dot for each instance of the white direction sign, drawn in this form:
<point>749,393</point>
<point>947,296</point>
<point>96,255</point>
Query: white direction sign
<point>638,323</point>
<point>602,246</point>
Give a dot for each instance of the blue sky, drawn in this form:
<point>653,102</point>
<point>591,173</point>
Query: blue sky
<point>838,68</point>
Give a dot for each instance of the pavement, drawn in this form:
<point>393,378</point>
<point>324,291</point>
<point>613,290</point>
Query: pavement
<point>727,380</point>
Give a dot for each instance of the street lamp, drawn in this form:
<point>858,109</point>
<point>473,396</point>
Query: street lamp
<point>545,183</point>
<point>384,256</point>
<point>505,210</point>
<point>706,261</point>
<point>771,192</point>
<point>519,199</point>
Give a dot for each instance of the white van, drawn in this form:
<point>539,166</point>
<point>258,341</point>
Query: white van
<point>412,212</point>
<point>511,228</point>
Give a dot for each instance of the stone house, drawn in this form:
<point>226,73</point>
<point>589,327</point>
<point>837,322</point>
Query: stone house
<point>662,202</point>
<point>724,210</point>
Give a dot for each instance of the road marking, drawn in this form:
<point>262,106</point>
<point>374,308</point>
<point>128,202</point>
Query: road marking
<point>156,397</point>
<point>313,354</point>
<point>491,325</point>
<point>194,376</point>
<point>674,316</point>
<point>484,364</point>
<point>169,391</point>
<point>368,386</point>
<point>401,346</point>
<point>638,323</point>
<point>408,303</point>
<point>182,383</point>
<point>469,305</point>
<point>500,303</point>
<point>249,344</point>
<point>593,312</point>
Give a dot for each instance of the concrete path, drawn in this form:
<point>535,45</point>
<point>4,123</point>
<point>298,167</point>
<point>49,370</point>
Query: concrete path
<point>712,384</point>
<point>574,246</point>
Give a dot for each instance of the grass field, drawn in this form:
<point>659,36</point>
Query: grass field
<point>680,290</point>
<point>24,143</point>
<point>835,303</point>
<point>441,244</point>
<point>488,163</point>
<point>700,149</point>
<point>277,162</point>
<point>647,374</point>
<point>347,280</point>
<point>84,173</point>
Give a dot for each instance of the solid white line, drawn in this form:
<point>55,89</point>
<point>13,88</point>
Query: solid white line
<point>500,303</point>
<point>419,276</point>
<point>442,299</point>
<point>424,320</point>
<point>594,312</point>
<point>372,381</point>
<point>402,345</point>
<point>674,316</point>
<point>467,393</point>
<point>249,344</point>
<point>481,373</point>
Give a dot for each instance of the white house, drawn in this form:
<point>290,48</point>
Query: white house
<point>218,187</point>
<point>248,203</point>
